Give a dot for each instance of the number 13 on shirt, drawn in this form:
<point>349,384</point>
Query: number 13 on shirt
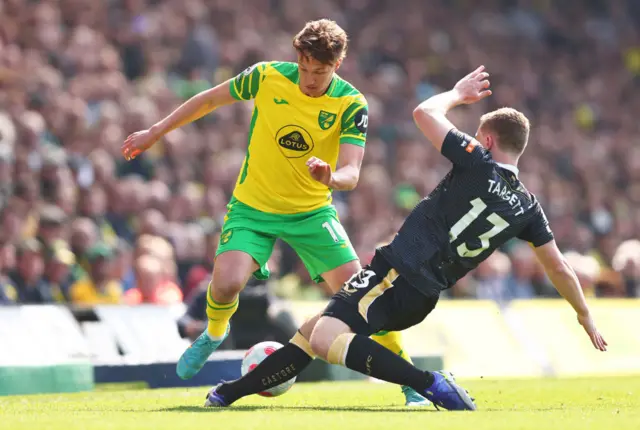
<point>477,207</point>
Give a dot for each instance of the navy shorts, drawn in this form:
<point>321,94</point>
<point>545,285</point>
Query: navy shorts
<point>378,299</point>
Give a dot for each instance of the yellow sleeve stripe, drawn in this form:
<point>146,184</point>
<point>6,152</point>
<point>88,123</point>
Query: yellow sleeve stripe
<point>234,90</point>
<point>353,114</point>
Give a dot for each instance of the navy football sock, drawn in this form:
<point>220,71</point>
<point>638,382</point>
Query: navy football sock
<point>368,357</point>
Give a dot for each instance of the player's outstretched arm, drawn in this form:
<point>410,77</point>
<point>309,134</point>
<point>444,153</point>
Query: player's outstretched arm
<point>566,282</point>
<point>430,115</point>
<point>194,108</point>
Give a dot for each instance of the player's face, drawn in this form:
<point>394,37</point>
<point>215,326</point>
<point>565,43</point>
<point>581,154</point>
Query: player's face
<point>315,76</point>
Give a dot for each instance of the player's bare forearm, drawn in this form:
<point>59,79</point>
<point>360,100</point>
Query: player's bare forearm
<point>562,276</point>
<point>195,108</point>
<point>566,282</point>
<point>564,279</point>
<point>430,116</point>
<point>345,178</point>
<point>439,104</point>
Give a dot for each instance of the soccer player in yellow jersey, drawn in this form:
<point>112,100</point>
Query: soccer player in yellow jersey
<point>306,138</point>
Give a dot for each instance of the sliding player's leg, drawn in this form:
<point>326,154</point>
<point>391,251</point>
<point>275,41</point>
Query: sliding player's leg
<point>244,249</point>
<point>283,364</point>
<point>386,301</point>
<point>324,248</point>
<point>392,340</point>
<point>335,340</point>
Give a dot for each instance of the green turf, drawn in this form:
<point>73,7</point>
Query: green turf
<point>565,404</point>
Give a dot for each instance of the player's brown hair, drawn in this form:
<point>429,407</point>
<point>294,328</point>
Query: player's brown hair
<point>510,127</point>
<point>323,40</point>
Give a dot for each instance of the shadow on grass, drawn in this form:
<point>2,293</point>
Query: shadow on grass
<point>250,408</point>
<point>385,409</point>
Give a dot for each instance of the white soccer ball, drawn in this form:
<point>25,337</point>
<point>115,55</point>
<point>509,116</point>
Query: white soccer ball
<point>254,356</point>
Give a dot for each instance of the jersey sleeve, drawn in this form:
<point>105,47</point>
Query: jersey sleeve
<point>537,232</point>
<point>245,86</point>
<point>463,150</point>
<point>354,122</point>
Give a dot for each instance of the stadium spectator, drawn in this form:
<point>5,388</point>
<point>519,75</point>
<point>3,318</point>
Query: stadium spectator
<point>99,287</point>
<point>123,266</point>
<point>159,196</point>
<point>587,269</point>
<point>12,224</point>
<point>520,282</point>
<point>151,222</point>
<point>23,205</point>
<point>51,226</point>
<point>626,261</point>
<point>8,292</point>
<point>152,284</point>
<point>58,270</point>
<point>492,277</point>
<point>27,277</point>
<point>93,205</point>
<point>201,272</point>
<point>6,171</point>
<point>83,236</point>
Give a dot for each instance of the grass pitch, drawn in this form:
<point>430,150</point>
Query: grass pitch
<point>566,404</point>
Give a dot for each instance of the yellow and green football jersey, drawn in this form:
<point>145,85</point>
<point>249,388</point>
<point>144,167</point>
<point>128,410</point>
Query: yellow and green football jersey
<point>288,127</point>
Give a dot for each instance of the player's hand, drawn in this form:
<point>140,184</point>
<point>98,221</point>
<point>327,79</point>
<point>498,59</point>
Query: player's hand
<point>137,143</point>
<point>586,321</point>
<point>473,87</point>
<point>319,170</point>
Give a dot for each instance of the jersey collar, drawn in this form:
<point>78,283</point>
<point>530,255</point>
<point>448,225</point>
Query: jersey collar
<point>331,86</point>
<point>509,167</point>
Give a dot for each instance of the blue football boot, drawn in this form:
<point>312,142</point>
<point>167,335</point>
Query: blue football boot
<point>194,357</point>
<point>446,393</point>
<point>215,400</point>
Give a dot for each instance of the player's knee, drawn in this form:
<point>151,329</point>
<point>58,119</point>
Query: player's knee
<point>330,339</point>
<point>321,340</point>
<point>226,284</point>
<point>227,289</point>
<point>231,272</point>
<point>306,329</point>
<point>331,346</point>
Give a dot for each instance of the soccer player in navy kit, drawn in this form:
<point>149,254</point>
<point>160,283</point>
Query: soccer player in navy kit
<point>478,206</point>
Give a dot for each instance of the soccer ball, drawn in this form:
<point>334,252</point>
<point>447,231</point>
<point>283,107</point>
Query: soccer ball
<point>254,356</point>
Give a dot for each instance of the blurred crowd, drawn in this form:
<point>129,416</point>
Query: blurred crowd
<point>81,225</point>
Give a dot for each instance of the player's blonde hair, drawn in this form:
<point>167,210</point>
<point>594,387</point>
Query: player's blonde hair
<point>510,127</point>
<point>323,40</point>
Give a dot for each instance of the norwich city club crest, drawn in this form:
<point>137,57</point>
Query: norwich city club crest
<point>326,119</point>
